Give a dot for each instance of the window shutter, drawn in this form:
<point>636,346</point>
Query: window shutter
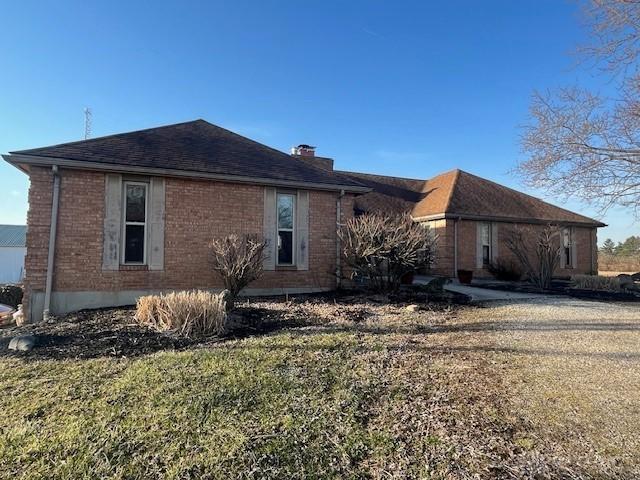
<point>494,241</point>
<point>302,230</point>
<point>156,223</point>
<point>479,245</point>
<point>269,228</point>
<point>574,248</point>
<point>112,221</point>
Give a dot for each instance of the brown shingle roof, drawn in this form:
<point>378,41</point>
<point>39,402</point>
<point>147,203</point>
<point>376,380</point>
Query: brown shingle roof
<point>196,146</point>
<point>467,195</point>
<point>458,193</point>
<point>388,195</point>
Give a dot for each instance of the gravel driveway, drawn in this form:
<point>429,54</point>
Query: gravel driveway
<point>574,374</point>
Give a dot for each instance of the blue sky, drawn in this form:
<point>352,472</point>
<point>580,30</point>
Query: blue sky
<point>399,88</point>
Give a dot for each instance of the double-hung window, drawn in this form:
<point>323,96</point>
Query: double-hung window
<point>567,245</point>
<point>286,224</point>
<point>485,238</point>
<point>134,231</point>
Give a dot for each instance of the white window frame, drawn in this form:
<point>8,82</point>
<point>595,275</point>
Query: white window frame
<point>292,229</point>
<point>489,243</point>
<point>125,222</point>
<point>567,233</point>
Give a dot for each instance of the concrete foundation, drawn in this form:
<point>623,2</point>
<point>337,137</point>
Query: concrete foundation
<point>67,302</point>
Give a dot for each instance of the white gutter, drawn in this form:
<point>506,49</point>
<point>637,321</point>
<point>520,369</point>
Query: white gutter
<point>17,159</point>
<point>493,218</point>
<point>52,242</point>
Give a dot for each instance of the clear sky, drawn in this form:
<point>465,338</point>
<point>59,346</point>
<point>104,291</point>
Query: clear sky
<point>399,88</point>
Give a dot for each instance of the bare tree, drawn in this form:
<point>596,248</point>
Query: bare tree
<point>383,248</point>
<point>587,145</point>
<point>538,254</point>
<point>238,261</point>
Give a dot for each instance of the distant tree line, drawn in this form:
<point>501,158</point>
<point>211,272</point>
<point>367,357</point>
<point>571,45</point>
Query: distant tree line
<point>621,256</point>
<point>630,247</point>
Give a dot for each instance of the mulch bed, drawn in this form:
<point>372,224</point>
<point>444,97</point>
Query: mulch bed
<point>113,332</point>
<point>92,333</point>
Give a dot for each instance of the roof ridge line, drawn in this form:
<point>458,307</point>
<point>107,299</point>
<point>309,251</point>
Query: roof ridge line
<point>453,186</point>
<point>102,137</point>
<point>380,175</point>
<point>531,196</point>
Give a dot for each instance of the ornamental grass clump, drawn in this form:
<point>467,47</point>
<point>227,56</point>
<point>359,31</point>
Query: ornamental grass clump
<point>596,282</point>
<point>185,313</point>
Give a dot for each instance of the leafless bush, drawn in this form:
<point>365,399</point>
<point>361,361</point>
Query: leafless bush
<point>583,142</point>
<point>186,313</point>
<point>238,261</point>
<point>507,270</point>
<point>538,254</point>
<point>11,295</point>
<point>383,248</point>
<point>596,282</point>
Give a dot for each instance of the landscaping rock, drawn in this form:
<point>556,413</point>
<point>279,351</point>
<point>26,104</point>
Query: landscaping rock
<point>23,343</point>
<point>412,308</point>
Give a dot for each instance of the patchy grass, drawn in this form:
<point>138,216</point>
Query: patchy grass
<point>346,390</point>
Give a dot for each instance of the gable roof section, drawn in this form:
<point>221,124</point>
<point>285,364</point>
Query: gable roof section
<point>13,235</point>
<point>196,146</point>
<point>458,193</point>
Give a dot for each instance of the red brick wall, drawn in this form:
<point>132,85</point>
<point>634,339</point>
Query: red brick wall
<point>587,253</point>
<point>443,264</point>
<point>196,211</point>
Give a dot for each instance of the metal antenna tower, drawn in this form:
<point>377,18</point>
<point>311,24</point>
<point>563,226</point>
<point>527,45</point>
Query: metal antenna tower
<point>87,123</point>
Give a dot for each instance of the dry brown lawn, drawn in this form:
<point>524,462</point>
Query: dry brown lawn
<point>344,388</point>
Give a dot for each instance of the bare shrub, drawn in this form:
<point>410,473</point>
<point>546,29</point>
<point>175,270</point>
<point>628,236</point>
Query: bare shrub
<point>506,270</point>
<point>383,248</point>
<point>11,295</point>
<point>238,261</point>
<point>539,254</point>
<point>596,282</point>
<point>186,313</point>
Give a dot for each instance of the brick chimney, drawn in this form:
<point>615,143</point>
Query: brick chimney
<point>303,150</point>
<point>307,154</point>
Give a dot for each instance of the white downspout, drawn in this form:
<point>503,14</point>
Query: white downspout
<point>52,242</point>
<point>338,245</point>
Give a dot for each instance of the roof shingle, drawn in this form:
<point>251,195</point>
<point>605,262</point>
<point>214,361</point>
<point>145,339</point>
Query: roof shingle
<point>458,193</point>
<point>196,146</point>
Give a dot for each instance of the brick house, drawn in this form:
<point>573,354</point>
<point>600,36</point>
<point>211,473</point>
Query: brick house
<point>116,217</point>
<point>473,216</point>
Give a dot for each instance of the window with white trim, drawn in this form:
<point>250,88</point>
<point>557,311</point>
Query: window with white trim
<point>134,229</point>
<point>285,204</point>
<point>567,246</point>
<point>485,238</point>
